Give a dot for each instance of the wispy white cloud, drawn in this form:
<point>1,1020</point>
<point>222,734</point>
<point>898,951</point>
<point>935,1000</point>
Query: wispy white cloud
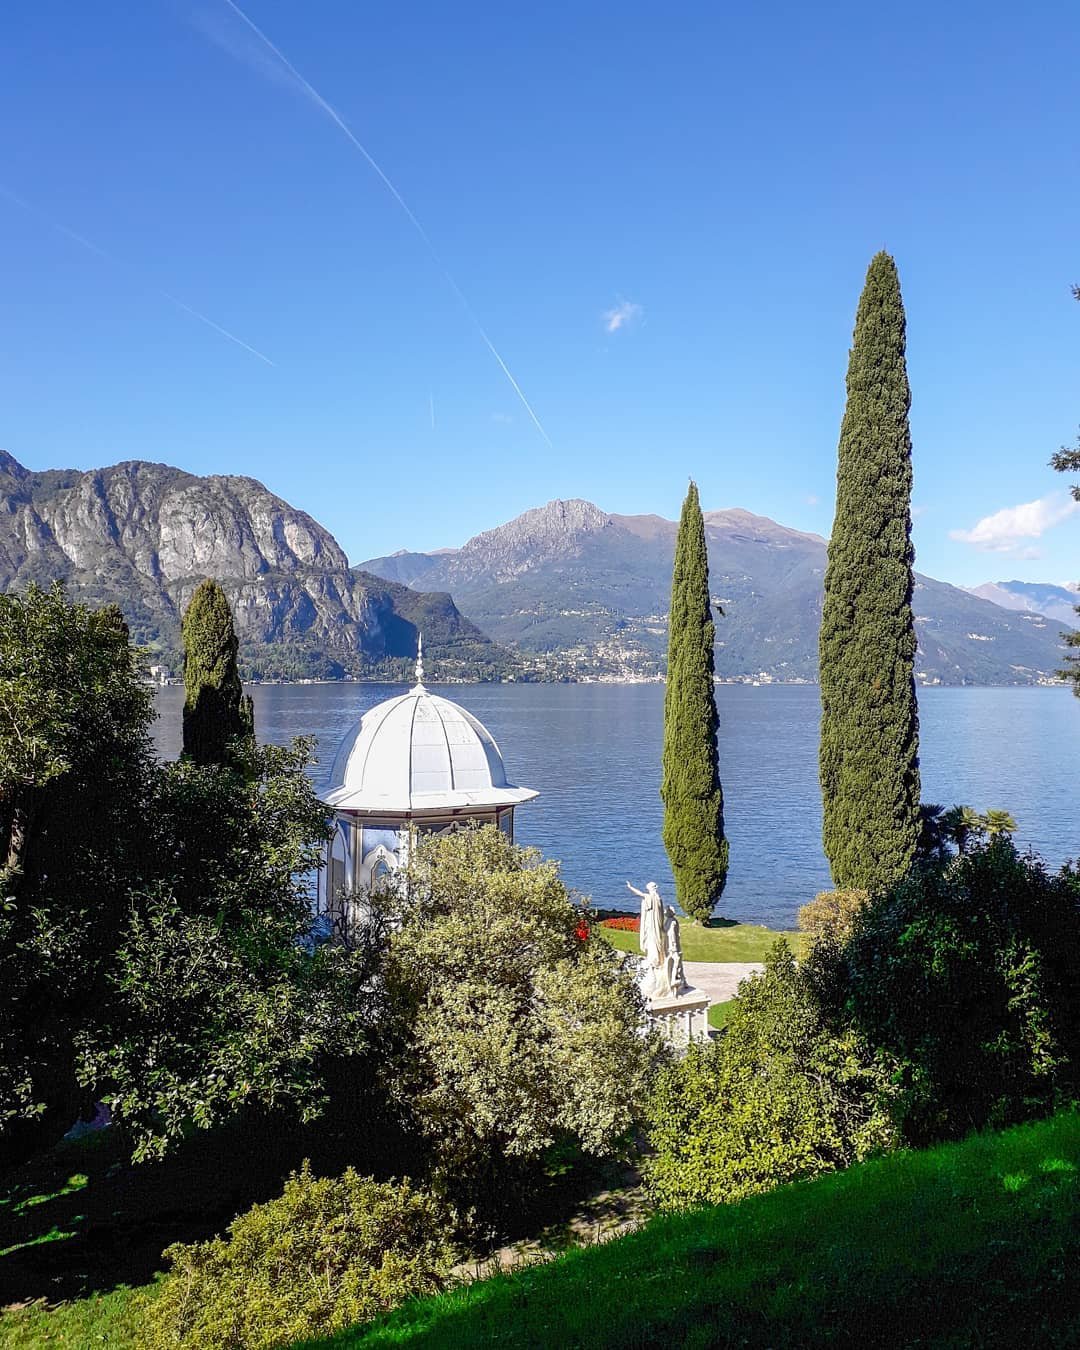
<point>501,419</point>
<point>1003,531</point>
<point>621,315</point>
<point>812,499</point>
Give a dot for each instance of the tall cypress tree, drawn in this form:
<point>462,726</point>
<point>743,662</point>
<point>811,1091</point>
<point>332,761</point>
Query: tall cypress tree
<point>869,756</point>
<point>690,783</point>
<point>216,711</point>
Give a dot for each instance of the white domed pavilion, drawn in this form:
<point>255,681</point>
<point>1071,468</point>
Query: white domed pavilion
<point>417,763</point>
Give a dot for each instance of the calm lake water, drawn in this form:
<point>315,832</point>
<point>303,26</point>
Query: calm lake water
<point>593,752</point>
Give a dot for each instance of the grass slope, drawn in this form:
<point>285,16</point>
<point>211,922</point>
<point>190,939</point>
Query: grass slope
<point>719,940</point>
<point>101,1319</point>
<point>972,1244</point>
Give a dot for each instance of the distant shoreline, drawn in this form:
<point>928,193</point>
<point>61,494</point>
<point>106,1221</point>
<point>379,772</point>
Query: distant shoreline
<point>732,682</point>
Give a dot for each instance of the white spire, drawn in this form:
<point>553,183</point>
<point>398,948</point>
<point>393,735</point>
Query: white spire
<point>419,661</point>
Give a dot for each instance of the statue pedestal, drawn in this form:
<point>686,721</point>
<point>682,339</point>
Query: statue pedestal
<point>682,1018</point>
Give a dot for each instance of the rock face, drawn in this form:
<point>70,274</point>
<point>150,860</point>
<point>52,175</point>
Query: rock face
<point>586,591</point>
<point>144,535</point>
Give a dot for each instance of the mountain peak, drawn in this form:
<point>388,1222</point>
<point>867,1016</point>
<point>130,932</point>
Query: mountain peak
<point>556,521</point>
<point>10,465</point>
<point>565,517</point>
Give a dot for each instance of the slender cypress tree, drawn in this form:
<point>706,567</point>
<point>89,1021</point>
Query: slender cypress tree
<point>690,783</point>
<point>869,755</point>
<point>216,711</point>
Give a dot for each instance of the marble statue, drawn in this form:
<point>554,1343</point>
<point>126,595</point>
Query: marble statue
<point>661,946</point>
<point>673,948</point>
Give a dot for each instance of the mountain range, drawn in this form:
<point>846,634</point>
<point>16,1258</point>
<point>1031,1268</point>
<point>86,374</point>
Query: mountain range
<point>144,535</point>
<point>579,591</point>
<point>1033,597</point>
<point>563,591</point>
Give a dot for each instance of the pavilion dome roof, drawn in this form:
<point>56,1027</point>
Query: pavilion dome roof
<point>420,753</point>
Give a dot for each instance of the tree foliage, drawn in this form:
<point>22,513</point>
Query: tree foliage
<point>151,919</point>
<point>869,757</point>
<point>518,1028</point>
<point>216,711</point>
<point>965,973</point>
<point>959,827</point>
<point>326,1254</point>
<point>215,1004</point>
<point>75,769</point>
<point>690,782</point>
<point>782,1095</point>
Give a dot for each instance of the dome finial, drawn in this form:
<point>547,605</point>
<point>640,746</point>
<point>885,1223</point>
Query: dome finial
<point>419,660</point>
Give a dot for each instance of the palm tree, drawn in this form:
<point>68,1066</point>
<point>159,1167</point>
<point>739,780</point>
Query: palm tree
<point>999,822</point>
<point>934,833</point>
<point>964,826</point>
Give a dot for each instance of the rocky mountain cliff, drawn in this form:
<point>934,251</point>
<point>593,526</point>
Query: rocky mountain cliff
<point>144,535</point>
<point>580,591</point>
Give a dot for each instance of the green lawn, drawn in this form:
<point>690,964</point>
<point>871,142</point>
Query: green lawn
<point>101,1319</point>
<point>975,1244</point>
<point>722,940</point>
<point>719,1014</point>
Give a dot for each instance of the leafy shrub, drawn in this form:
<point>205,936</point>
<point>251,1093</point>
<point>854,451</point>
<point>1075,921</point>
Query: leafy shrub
<point>782,1095</point>
<point>831,914</point>
<point>325,1254</point>
<point>519,1027</point>
<point>965,972</point>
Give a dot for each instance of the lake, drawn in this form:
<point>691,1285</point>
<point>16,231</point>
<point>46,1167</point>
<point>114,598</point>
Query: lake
<point>593,752</point>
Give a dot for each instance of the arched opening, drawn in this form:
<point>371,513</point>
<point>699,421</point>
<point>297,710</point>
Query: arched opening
<point>336,874</point>
<point>377,868</point>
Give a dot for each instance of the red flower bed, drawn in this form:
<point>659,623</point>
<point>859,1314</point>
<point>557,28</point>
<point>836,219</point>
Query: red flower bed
<point>628,925</point>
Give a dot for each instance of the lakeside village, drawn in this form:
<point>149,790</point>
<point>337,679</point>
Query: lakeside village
<point>568,669</point>
<point>463,1107</point>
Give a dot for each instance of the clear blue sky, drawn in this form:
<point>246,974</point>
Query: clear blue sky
<point>717,176</point>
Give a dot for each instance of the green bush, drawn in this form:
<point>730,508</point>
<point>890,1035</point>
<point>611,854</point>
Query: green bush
<point>965,973</point>
<point>782,1095</point>
<point>327,1253</point>
<point>830,916</point>
<point>518,1027</point>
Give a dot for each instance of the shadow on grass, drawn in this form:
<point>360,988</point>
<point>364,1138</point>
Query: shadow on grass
<point>80,1218</point>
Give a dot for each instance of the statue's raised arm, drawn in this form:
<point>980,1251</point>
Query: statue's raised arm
<point>642,894</point>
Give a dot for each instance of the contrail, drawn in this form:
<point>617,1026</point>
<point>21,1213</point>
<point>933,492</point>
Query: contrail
<point>344,127</point>
<point>88,244</point>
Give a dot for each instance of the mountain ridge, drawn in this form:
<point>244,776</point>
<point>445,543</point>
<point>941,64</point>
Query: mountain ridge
<point>577,592</point>
<point>1053,601</point>
<point>592,599</point>
<point>143,535</point>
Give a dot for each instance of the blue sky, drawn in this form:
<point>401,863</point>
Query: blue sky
<point>660,216</point>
